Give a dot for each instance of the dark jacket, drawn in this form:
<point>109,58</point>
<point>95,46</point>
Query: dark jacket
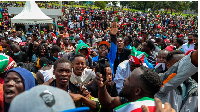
<point>71,87</point>
<point>121,57</point>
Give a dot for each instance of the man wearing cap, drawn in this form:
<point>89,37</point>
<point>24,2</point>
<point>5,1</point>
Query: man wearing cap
<point>14,37</point>
<point>104,47</point>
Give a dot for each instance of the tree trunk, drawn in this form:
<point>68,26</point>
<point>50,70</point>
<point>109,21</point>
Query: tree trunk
<point>144,6</point>
<point>171,11</point>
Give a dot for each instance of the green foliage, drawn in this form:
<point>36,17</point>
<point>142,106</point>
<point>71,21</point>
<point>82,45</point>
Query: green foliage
<point>100,4</point>
<point>194,6</point>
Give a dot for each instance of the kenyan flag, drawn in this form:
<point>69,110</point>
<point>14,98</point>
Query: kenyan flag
<point>6,63</point>
<point>137,55</point>
<point>136,106</point>
<point>60,25</point>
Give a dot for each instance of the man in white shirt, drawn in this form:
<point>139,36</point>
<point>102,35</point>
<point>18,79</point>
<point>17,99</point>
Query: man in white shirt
<point>190,44</point>
<point>14,37</point>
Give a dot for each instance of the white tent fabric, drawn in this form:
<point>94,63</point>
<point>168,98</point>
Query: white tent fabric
<point>31,13</point>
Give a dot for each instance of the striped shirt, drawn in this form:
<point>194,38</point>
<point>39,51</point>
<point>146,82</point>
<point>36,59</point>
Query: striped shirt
<point>152,60</point>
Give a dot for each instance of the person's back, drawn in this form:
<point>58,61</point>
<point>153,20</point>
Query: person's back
<point>178,88</point>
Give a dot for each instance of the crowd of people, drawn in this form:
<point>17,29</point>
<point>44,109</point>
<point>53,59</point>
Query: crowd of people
<point>102,61</point>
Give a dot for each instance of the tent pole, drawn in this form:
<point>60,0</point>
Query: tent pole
<point>39,28</point>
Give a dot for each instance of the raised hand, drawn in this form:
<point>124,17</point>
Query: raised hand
<point>99,79</point>
<point>114,28</point>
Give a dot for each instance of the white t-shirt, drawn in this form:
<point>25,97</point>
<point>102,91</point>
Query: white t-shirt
<point>17,39</point>
<point>47,74</point>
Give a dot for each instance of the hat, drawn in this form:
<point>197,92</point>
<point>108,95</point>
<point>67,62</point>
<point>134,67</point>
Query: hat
<point>77,37</point>
<point>170,48</point>
<point>46,99</point>
<point>1,49</point>
<point>6,63</point>
<point>104,43</point>
<point>13,31</point>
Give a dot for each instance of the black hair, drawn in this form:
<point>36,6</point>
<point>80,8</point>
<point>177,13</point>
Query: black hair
<point>61,60</point>
<point>49,35</point>
<point>13,46</point>
<point>172,53</point>
<point>150,80</point>
<point>158,40</point>
<point>78,55</point>
<point>97,69</point>
<point>43,61</point>
<point>55,48</point>
<point>39,50</point>
<point>180,41</point>
<point>150,44</point>
<point>195,35</point>
<point>43,41</point>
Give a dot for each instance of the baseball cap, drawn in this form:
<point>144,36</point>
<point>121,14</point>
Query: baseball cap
<point>44,98</point>
<point>104,43</point>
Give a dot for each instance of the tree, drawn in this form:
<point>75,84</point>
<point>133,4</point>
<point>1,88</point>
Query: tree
<point>124,3</point>
<point>194,6</point>
<point>100,4</point>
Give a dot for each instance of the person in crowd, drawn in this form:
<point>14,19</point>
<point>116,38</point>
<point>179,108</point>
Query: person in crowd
<point>19,34</point>
<point>148,48</point>
<point>83,49</point>
<point>16,81</point>
<point>80,73</point>
<point>46,97</point>
<point>111,85</point>
<point>45,73</point>
<point>128,42</point>
<point>137,44</point>
<point>142,84</point>
<point>136,91</point>
<point>18,55</point>
<point>161,61</point>
<point>178,44</point>
<point>107,52</point>
<point>180,81</point>
<point>54,53</point>
<point>64,45</point>
<point>190,44</point>
<point>122,53</point>
<point>63,71</point>
<point>14,37</point>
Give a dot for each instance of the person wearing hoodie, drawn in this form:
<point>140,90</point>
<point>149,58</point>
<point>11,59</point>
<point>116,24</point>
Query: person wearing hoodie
<point>17,80</point>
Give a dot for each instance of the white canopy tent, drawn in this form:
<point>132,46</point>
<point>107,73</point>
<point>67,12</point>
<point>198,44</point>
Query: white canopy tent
<point>31,14</point>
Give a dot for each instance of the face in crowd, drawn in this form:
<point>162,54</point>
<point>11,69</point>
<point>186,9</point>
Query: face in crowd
<point>120,43</point>
<point>79,64</point>
<point>13,85</point>
<point>62,73</point>
<point>103,51</point>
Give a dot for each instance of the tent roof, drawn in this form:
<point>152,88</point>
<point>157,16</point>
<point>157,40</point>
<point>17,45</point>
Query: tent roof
<point>31,13</point>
